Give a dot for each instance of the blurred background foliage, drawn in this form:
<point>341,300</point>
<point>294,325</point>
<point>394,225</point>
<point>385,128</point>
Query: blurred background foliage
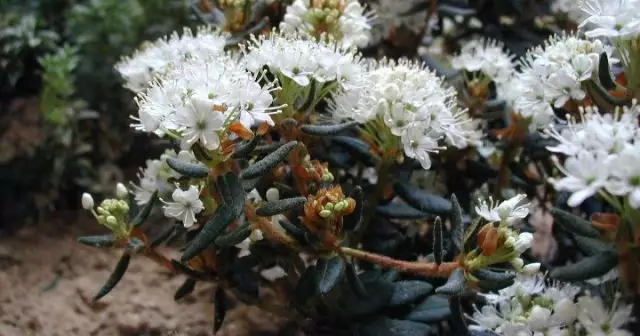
<point>63,111</point>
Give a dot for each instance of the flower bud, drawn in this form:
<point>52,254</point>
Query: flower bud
<point>524,242</point>
<point>325,213</point>
<point>539,318</point>
<point>256,235</point>
<point>121,190</point>
<point>566,310</point>
<point>111,221</point>
<point>517,263</point>
<point>510,242</point>
<point>340,206</point>
<point>273,194</point>
<point>87,201</point>
<point>531,269</point>
<point>329,206</point>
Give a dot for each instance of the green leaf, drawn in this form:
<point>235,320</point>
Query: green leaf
<point>305,288</point>
<point>437,241</point>
<point>145,211</point>
<point>423,200</point>
<point>604,73</point>
<point>434,309</point>
<point>235,237</point>
<point>329,273</point>
<point>194,170</point>
<point>232,193</point>
<point>280,206</point>
<point>185,289</point>
<point>454,285</point>
<point>384,326</point>
<point>409,291</point>
<point>457,224</point>
<point>591,246</point>
<point>98,241</point>
<point>115,277</point>
<point>458,323</point>
<point>354,306</point>
<point>327,129</point>
<point>354,146</point>
<point>211,230</point>
<point>485,274</point>
<point>245,148</point>
<point>400,211</point>
<point>303,105</point>
<point>297,232</point>
<point>269,162</point>
<point>574,224</point>
<point>449,10</point>
<point>354,220</point>
<point>587,268</point>
<point>355,283</point>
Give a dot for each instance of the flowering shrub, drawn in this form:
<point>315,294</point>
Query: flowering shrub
<point>372,186</point>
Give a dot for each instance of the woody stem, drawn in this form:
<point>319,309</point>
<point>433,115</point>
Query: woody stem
<point>417,268</point>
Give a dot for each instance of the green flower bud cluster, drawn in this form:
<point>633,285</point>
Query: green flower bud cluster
<point>114,214</point>
<point>327,177</point>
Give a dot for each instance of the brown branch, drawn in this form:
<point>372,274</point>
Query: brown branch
<point>418,268</point>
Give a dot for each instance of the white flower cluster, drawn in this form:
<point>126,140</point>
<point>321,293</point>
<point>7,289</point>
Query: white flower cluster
<point>293,58</point>
<point>156,174</point>
<point>155,57</point>
<point>551,75</point>
<point>486,56</point>
<point>611,18</point>
<point>535,308</point>
<point>413,104</point>
<point>344,20</point>
<point>603,153</point>
<point>391,14</point>
<point>197,99</point>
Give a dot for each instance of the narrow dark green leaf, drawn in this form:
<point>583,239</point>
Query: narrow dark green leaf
<point>457,224</point>
<point>162,237</point>
<point>269,162</point>
<point>305,288</point>
<point>574,224</point>
<point>246,282</point>
<point>587,268</point>
<point>280,206</point>
<point>327,129</point>
<point>458,320</point>
<point>592,246</point>
<point>492,286</point>
<point>432,310</point>
<point>329,273</point>
<point>354,306</point>
<point>355,283</point>
<point>195,170</point>
<point>211,230</point>
<point>185,289</point>
<point>485,274</point>
<point>245,148</point>
<point>448,10</point>
<point>604,73</point>
<point>306,104</point>
<point>354,146</point>
<point>232,193</point>
<point>423,200</point>
<point>390,275</point>
<point>354,220</point>
<point>145,211</point>
<point>409,291</point>
<point>384,326</point>
<point>437,241</point>
<point>220,308</point>
<point>295,231</point>
<point>98,241</point>
<point>234,237</point>
<point>454,285</point>
<point>115,277</point>
<point>400,211</point>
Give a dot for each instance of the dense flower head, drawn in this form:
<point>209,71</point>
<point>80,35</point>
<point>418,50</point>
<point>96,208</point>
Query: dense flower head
<point>486,56</point>
<point>344,20</point>
<point>412,102</point>
<point>197,99</point>
<point>611,18</point>
<point>551,75</point>
<point>293,58</point>
<point>602,153</point>
<point>154,58</point>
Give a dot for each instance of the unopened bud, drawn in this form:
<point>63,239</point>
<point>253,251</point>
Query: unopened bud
<point>329,206</point>
<point>121,191</point>
<point>273,194</point>
<point>340,206</point>
<point>325,213</point>
<point>327,177</point>
<point>102,211</point>
<point>256,235</point>
<point>111,221</point>
<point>87,201</point>
<point>517,263</point>
<point>531,269</point>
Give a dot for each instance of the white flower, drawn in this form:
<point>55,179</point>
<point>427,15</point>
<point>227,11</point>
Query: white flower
<point>584,173</point>
<point>539,318</point>
<point>506,212</point>
<point>200,123</point>
<point>565,311</point>
<point>156,57</point>
<point>525,239</point>
<point>121,190</point>
<point>418,145</point>
<point>488,56</point>
<point>611,18</point>
<point>344,20</point>
<point>625,175</point>
<point>600,321</point>
<point>186,204</point>
<point>87,201</point>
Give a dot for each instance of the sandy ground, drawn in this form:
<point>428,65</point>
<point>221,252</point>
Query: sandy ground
<point>47,281</point>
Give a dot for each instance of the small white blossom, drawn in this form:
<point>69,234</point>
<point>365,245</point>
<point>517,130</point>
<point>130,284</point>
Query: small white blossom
<point>121,190</point>
<point>611,18</point>
<point>185,206</point>
<point>87,201</point>
<point>599,320</point>
<point>523,243</point>
<point>539,318</point>
<point>506,212</point>
<point>488,56</point>
<point>584,173</point>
